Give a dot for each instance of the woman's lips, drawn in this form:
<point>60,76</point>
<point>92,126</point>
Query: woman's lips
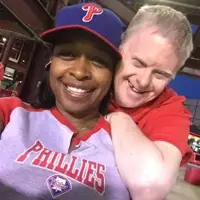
<point>76,93</point>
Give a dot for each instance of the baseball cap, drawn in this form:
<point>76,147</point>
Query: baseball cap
<point>89,17</point>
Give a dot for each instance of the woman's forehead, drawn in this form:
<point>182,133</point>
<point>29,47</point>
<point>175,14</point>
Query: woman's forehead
<point>83,46</point>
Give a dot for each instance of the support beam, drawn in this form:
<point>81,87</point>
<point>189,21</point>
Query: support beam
<point>31,13</point>
<point>7,50</point>
<point>21,22</point>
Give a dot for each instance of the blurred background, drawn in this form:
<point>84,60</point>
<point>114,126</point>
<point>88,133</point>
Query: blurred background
<point>24,55</point>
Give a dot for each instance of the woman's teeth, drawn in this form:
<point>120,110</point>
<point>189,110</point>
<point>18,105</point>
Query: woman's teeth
<point>77,90</point>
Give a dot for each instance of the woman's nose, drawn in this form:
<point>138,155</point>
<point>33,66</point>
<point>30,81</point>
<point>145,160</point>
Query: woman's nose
<point>81,69</point>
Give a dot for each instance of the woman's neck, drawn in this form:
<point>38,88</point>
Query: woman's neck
<point>82,122</point>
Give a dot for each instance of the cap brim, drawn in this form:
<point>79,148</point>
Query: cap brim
<point>51,35</point>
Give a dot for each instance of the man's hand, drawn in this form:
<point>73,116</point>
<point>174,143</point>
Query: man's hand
<point>149,169</point>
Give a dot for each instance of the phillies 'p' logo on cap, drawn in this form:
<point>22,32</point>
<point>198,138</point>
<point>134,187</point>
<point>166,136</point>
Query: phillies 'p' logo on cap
<point>88,17</point>
<point>92,9</point>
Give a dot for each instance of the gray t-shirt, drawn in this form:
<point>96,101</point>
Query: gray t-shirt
<point>35,163</point>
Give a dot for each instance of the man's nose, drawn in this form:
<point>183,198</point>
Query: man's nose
<point>144,79</point>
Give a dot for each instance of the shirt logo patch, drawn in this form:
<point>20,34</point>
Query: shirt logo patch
<point>58,185</point>
<point>85,172</point>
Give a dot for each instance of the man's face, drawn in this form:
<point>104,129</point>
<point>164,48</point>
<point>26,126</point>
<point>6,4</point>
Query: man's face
<point>149,63</point>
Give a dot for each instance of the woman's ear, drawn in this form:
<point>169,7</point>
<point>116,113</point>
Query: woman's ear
<point>47,66</point>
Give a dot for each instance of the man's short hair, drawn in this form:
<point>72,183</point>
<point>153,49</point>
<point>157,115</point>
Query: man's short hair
<point>171,23</point>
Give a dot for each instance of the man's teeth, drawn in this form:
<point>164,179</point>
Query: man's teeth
<point>77,90</point>
<point>132,87</point>
<point>135,90</point>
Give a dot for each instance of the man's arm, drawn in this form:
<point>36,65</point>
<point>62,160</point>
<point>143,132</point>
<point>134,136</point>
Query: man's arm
<point>149,169</point>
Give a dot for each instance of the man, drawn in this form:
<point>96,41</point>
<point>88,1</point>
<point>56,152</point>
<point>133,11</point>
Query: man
<point>150,138</point>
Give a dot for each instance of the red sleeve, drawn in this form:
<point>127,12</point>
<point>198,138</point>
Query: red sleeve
<point>7,105</point>
<point>171,124</point>
<point>1,71</point>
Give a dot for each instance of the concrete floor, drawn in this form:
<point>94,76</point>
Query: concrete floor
<point>183,190</point>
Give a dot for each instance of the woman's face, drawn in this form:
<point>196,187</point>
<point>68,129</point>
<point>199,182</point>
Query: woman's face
<point>81,74</point>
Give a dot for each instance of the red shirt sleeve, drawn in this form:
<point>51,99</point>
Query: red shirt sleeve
<point>7,105</point>
<point>170,123</point>
<point>164,119</point>
<point>1,71</point>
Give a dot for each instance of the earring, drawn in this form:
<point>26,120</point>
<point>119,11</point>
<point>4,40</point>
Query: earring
<point>47,66</point>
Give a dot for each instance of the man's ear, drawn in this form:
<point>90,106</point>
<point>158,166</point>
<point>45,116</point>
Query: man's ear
<point>118,66</point>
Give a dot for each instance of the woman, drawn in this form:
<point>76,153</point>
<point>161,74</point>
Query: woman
<point>60,148</point>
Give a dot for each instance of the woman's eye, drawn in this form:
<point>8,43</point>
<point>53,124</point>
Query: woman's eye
<point>66,55</point>
<point>98,62</point>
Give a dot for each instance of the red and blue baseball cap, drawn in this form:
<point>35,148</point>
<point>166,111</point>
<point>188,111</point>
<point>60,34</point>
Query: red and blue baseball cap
<point>91,18</point>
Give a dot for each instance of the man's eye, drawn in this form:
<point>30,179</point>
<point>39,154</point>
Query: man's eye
<point>160,76</point>
<point>136,64</point>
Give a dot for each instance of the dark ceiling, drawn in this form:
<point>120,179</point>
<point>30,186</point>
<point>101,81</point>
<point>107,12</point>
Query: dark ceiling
<point>5,14</point>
